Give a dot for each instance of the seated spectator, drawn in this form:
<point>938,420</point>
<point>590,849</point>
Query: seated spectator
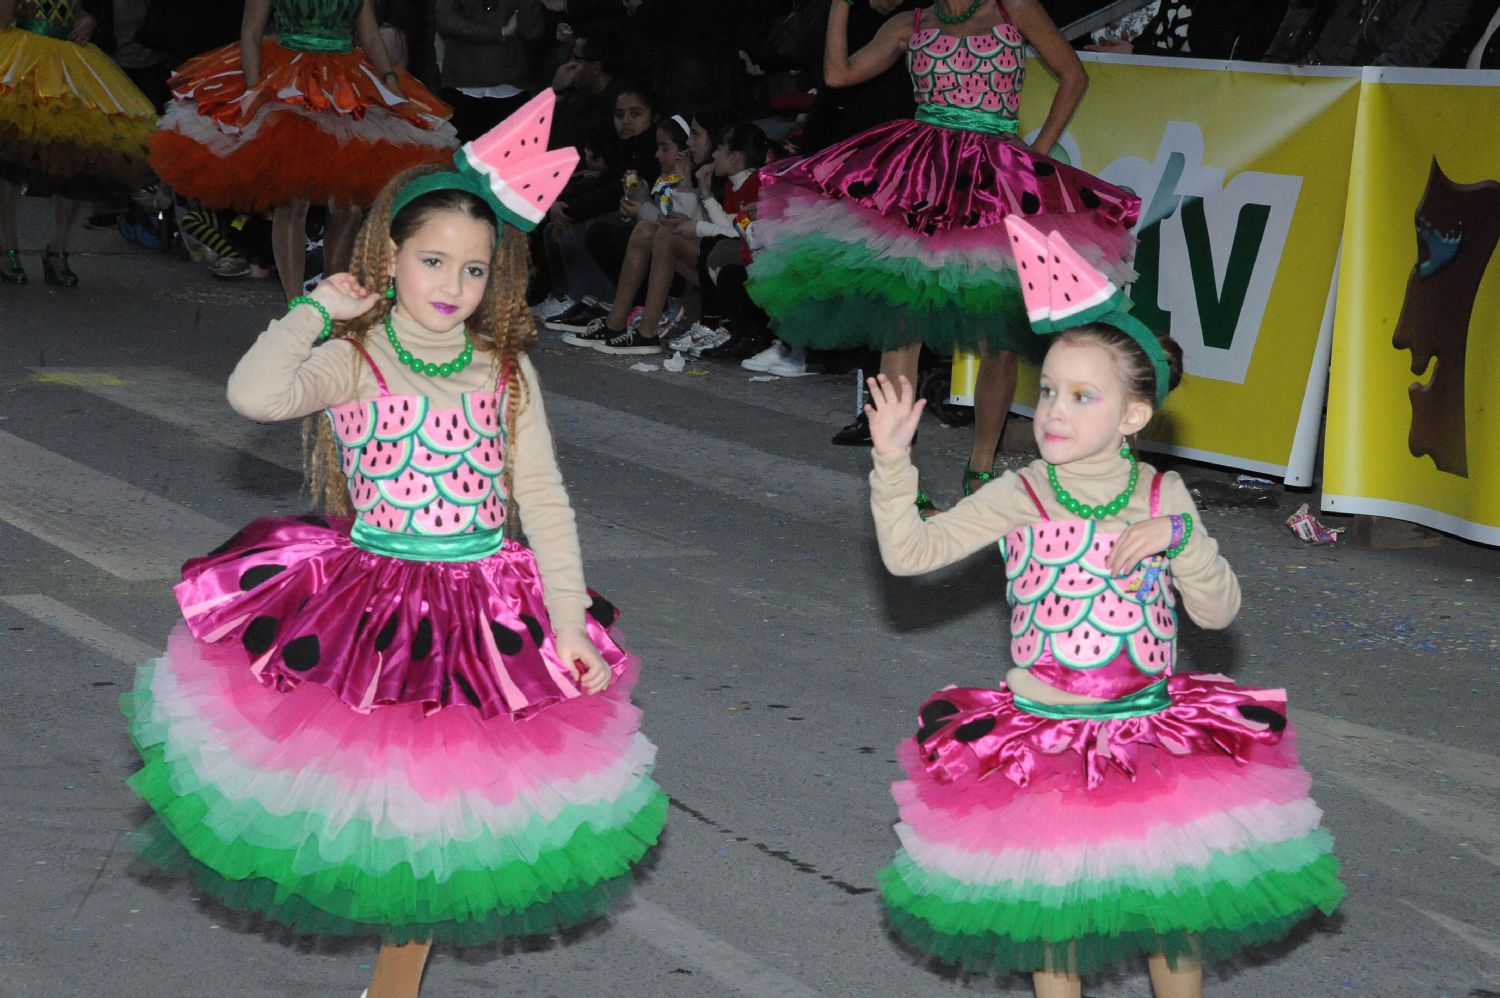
<point>591,200</point>
<point>672,192</point>
<point>486,67</point>
<point>717,245</point>
<point>585,94</point>
<point>1368,32</point>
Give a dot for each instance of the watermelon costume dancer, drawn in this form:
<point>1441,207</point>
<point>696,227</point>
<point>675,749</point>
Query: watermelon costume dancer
<point>1169,815</point>
<point>320,124</point>
<point>897,234</point>
<point>365,727</point>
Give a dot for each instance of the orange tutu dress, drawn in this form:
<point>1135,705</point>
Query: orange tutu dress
<point>319,125</point>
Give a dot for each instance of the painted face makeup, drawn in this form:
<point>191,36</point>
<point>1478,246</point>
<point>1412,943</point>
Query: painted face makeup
<point>1082,406</point>
<point>442,270</point>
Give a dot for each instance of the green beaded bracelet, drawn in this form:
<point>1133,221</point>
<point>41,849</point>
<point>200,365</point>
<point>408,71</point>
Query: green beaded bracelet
<point>327,319</point>
<point>1187,534</point>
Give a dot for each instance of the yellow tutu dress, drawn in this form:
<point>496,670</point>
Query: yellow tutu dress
<point>69,117</point>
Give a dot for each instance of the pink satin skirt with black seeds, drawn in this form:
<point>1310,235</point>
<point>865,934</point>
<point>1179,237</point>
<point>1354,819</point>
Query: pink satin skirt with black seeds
<point>307,605</point>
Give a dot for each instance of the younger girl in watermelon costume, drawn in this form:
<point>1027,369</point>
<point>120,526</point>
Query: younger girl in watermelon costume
<point>895,238</point>
<point>1095,807</point>
<point>406,724</point>
<point>303,117</point>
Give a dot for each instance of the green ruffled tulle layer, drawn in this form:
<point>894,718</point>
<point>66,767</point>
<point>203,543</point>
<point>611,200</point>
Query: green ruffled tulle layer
<point>831,295</point>
<point>1238,900</point>
<point>295,886</point>
<point>548,876</point>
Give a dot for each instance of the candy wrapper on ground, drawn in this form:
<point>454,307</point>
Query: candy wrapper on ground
<point>1306,526</point>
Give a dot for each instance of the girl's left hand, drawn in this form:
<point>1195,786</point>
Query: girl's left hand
<point>1140,541</point>
<point>705,177</point>
<point>344,297</point>
<point>576,649</point>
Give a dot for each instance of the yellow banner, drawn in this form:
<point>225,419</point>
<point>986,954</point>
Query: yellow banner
<point>1413,408</point>
<point>1242,170</point>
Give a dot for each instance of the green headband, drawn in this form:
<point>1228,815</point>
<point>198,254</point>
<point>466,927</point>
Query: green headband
<point>1139,332</point>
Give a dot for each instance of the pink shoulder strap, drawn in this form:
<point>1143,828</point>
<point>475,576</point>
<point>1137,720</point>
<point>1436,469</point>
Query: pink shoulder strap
<point>1156,494</point>
<point>379,378</point>
<point>1034,498</point>
<point>916,24</point>
<point>1005,14</point>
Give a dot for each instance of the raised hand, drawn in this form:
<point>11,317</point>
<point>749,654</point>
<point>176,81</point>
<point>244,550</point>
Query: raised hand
<point>894,412</point>
<point>344,297</point>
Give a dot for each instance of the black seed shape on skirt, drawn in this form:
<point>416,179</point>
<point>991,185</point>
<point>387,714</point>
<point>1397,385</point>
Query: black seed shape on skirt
<point>603,611</point>
<point>1272,719</point>
<point>260,635</point>
<point>313,520</point>
<point>1030,203</point>
<point>861,189</point>
<point>1089,198</point>
<point>387,633</point>
<point>260,573</point>
<point>225,546</point>
<point>1042,168</point>
<point>974,730</point>
<point>422,643</point>
<point>934,718</point>
<point>507,640</point>
<point>301,653</point>
<point>468,691</point>
<point>534,628</point>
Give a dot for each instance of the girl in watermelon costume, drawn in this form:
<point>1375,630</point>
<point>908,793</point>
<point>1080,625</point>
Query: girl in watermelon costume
<point>304,117</point>
<point>406,724</point>
<point>70,120</point>
<point>1095,807</point>
<point>895,237</point>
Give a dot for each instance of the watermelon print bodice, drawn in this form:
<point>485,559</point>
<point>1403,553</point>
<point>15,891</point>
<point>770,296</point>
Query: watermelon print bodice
<point>414,468</point>
<point>1075,626</point>
<point>975,72</point>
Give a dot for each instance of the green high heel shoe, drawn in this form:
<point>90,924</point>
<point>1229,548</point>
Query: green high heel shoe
<point>11,271</point>
<point>971,477</point>
<point>59,276</point>
<point>926,508</point>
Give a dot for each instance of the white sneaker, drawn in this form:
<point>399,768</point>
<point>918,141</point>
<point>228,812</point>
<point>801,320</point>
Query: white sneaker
<point>553,305</point>
<point>689,338</point>
<point>767,358</point>
<point>792,366</point>
<point>711,338</point>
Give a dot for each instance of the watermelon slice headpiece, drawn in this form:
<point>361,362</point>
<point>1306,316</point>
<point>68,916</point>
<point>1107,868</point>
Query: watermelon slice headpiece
<point>509,167</point>
<point>1062,290</point>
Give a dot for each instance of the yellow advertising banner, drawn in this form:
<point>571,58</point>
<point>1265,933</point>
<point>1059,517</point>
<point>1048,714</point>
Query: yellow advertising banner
<point>1413,406</point>
<point>1242,170</point>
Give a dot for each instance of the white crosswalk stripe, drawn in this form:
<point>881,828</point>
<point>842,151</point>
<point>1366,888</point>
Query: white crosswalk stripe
<point>128,532</point>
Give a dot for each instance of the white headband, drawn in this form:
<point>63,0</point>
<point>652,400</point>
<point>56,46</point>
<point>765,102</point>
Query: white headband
<point>685,129</point>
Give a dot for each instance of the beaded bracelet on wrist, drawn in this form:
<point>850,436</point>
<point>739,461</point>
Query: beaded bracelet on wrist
<point>1187,533</point>
<point>327,319</point>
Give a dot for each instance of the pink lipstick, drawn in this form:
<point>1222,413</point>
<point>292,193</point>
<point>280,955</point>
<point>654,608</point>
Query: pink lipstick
<point>444,308</point>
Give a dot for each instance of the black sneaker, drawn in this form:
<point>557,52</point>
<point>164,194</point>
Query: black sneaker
<point>577,318</point>
<point>597,332</point>
<point>856,434</point>
<point>630,341</point>
<point>737,347</point>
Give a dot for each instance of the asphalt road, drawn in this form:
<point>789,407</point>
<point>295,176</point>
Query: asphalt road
<point>782,664</point>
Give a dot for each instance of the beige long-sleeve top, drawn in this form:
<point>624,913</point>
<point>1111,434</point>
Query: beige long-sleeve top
<point>910,545</point>
<point>283,376</point>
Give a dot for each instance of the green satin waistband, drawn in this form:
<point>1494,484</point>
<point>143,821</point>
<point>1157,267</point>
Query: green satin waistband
<point>472,546</point>
<point>1150,700</point>
<point>965,119</point>
<point>314,43</point>
<point>52,29</point>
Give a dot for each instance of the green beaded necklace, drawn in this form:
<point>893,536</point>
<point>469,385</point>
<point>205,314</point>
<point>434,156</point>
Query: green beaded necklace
<point>420,366</point>
<point>1083,509</point>
<point>960,18</point>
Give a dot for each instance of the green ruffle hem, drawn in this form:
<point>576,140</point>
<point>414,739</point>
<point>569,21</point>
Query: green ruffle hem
<point>1238,900</point>
<point>528,883</point>
<point>831,295</point>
